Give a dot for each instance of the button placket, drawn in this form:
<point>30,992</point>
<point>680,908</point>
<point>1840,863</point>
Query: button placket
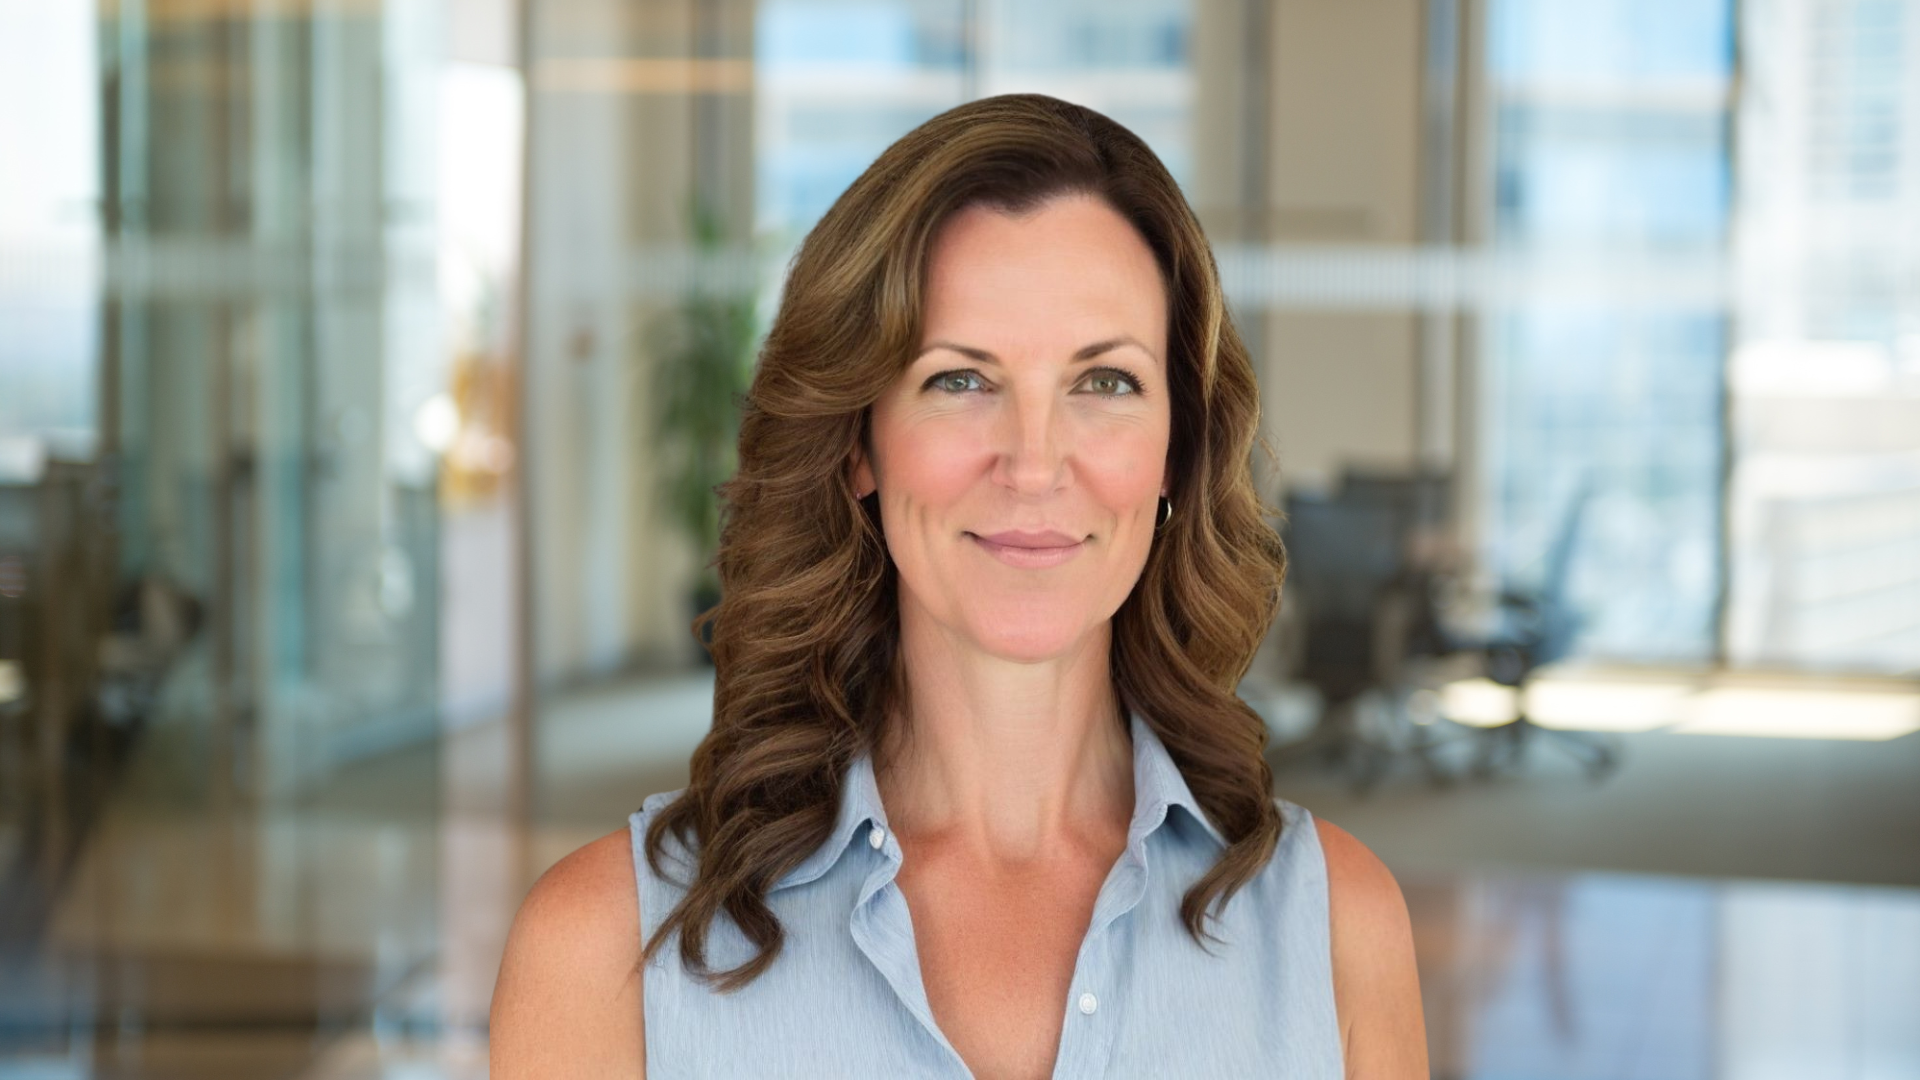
<point>1087,1040</point>
<point>1092,1024</point>
<point>882,929</point>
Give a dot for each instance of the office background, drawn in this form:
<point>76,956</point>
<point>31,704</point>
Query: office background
<point>365,364</point>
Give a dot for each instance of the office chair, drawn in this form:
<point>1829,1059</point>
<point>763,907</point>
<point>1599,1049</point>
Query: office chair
<point>1537,627</point>
<point>1346,558</point>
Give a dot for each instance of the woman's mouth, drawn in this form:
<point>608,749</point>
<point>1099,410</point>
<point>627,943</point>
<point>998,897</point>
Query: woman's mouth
<point>1029,550</point>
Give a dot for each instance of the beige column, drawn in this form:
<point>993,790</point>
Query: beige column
<point>1340,387</point>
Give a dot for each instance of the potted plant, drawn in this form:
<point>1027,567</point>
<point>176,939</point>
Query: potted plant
<point>703,353</point>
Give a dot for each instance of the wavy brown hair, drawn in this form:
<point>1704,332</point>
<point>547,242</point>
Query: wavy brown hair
<point>805,638</point>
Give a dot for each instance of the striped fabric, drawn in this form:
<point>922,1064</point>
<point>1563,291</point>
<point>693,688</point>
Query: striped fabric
<point>845,998</point>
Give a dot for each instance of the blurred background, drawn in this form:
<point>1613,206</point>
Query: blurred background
<point>366,366</point>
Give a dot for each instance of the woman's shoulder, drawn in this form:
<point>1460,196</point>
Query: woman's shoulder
<point>1359,885</point>
<point>567,1000</point>
<point>1353,870</point>
<point>1376,981</point>
<point>594,883</point>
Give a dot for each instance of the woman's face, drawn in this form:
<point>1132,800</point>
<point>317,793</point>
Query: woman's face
<point>1021,455</point>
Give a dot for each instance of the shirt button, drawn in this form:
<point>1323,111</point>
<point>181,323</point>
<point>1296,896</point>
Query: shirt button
<point>1088,1003</point>
<point>877,837</point>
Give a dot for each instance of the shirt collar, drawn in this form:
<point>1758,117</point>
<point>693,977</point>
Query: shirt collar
<point>1157,787</point>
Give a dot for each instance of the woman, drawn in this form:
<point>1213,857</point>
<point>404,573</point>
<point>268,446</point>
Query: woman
<point>979,798</point>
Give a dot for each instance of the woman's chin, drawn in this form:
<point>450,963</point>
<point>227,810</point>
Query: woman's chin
<point>1027,640</point>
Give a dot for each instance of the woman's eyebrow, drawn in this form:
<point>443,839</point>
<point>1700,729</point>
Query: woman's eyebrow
<point>1086,352</point>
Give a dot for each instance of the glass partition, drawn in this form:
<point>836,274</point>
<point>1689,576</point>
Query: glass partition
<point>1610,134</point>
<point>225,344</point>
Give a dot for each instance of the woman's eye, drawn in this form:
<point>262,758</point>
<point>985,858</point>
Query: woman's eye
<point>957,382</point>
<point>1106,383</point>
<point>1112,383</point>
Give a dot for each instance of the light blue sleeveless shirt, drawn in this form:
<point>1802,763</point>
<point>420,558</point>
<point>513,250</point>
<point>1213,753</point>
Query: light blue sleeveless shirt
<point>845,997</point>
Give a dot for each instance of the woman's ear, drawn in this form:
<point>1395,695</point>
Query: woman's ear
<point>862,474</point>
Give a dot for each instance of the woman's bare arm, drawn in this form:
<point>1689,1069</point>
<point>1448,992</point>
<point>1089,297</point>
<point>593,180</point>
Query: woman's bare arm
<point>567,1003</point>
<point>1376,984</point>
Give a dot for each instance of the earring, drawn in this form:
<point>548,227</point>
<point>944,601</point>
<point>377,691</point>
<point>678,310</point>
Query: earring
<point>1166,512</point>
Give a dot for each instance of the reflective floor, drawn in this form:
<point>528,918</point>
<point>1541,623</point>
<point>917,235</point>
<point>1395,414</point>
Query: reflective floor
<point>359,936</point>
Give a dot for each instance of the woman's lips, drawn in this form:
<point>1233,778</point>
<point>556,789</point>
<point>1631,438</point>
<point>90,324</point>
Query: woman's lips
<point>1030,552</point>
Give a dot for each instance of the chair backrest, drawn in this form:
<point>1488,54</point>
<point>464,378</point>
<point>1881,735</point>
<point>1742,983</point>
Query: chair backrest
<point>1427,495</point>
<point>1341,552</point>
<point>1341,555</point>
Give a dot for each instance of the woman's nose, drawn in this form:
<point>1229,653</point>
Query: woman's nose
<point>1033,445</point>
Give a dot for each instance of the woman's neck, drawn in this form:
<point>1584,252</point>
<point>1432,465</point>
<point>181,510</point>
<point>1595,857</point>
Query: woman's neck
<point>1006,761</point>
